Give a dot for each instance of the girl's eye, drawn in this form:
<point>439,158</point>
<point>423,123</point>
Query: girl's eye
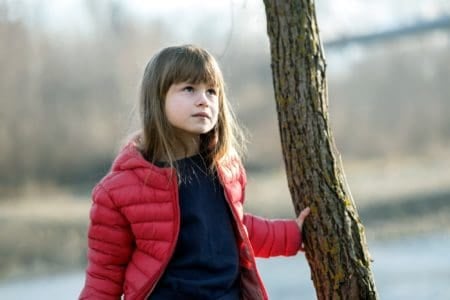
<point>212,92</point>
<point>188,89</point>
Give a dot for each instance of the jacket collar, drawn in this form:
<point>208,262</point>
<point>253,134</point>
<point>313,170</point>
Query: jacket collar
<point>131,159</point>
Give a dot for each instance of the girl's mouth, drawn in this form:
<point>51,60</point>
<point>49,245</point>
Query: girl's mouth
<point>201,115</point>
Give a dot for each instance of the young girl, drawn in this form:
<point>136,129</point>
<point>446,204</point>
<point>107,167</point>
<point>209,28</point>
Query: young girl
<point>167,221</point>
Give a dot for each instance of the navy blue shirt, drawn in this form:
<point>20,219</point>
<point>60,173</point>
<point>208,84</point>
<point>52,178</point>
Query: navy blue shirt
<point>205,264</point>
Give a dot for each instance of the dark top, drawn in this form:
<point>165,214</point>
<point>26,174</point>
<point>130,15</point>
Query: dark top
<point>205,264</point>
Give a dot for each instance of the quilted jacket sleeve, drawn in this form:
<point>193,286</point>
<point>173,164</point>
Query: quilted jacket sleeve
<point>273,237</point>
<point>109,249</point>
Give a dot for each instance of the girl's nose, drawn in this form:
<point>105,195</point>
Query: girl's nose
<point>202,99</point>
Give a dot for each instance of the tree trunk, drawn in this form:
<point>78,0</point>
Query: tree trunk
<point>336,248</point>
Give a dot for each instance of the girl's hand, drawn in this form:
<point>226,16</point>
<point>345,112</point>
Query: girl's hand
<point>300,219</point>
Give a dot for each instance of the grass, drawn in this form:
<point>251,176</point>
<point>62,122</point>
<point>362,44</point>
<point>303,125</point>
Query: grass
<point>398,197</point>
<point>42,237</point>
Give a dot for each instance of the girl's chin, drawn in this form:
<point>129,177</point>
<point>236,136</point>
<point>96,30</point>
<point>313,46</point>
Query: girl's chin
<point>193,133</point>
<point>203,130</point>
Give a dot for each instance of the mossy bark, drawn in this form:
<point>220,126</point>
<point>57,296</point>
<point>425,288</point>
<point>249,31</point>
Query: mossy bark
<point>336,247</point>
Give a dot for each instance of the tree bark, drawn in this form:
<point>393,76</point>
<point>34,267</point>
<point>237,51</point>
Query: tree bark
<point>336,247</point>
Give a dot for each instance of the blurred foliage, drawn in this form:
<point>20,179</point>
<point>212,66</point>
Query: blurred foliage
<point>69,100</point>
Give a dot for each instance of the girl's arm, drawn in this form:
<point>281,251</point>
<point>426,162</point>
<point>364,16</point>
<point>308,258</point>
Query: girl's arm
<point>275,237</point>
<point>109,249</point>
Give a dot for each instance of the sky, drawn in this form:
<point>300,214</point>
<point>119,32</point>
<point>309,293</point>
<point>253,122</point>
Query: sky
<point>335,17</point>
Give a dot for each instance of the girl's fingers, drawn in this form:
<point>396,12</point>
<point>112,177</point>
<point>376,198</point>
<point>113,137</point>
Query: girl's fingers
<point>303,214</point>
<point>300,219</point>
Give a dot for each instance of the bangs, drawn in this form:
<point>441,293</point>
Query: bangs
<point>194,67</point>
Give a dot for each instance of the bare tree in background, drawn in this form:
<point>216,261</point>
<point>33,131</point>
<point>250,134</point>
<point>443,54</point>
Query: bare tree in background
<point>336,248</point>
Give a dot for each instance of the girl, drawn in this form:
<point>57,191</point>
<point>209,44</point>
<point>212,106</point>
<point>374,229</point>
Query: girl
<point>167,220</point>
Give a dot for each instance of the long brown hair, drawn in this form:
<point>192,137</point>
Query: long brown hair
<point>174,65</point>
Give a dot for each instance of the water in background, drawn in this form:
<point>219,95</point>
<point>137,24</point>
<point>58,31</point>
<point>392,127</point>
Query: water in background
<point>411,268</point>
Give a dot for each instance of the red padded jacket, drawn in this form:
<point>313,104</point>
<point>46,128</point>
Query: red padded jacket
<point>135,222</point>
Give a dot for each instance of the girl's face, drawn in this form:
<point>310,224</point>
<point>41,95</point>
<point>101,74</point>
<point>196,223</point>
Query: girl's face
<point>192,108</point>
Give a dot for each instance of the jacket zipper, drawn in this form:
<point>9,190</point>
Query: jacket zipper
<point>246,239</point>
<point>172,250</point>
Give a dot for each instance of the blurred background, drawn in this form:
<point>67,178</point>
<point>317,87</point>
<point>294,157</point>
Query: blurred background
<point>69,77</point>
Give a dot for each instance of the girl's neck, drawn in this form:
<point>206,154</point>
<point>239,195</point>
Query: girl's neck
<point>183,154</point>
<point>186,146</point>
